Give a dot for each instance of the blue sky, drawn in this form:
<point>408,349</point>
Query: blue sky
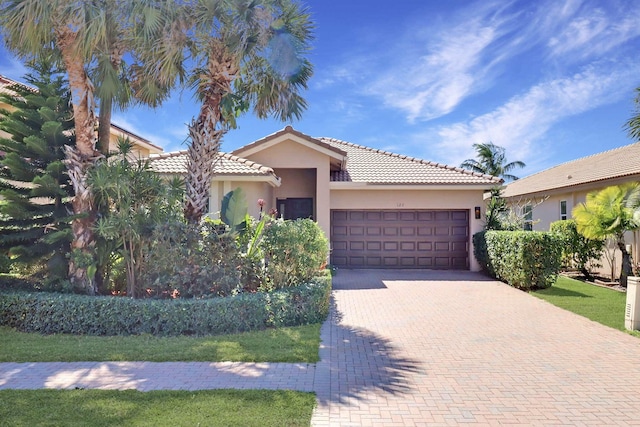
<point>549,80</point>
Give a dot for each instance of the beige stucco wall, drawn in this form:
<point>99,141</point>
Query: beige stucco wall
<point>549,211</point>
<point>416,199</point>
<point>287,155</point>
<point>253,190</point>
<point>296,183</point>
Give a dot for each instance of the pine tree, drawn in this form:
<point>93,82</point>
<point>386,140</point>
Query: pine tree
<point>35,189</point>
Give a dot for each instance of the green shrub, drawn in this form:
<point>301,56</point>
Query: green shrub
<point>295,251</point>
<point>523,259</point>
<point>48,313</point>
<point>194,261</point>
<point>577,251</point>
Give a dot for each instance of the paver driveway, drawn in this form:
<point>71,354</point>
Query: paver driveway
<point>429,348</point>
<point>406,348</point>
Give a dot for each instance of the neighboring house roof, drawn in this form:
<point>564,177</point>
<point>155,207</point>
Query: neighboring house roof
<point>227,165</point>
<point>609,165</point>
<point>138,140</point>
<point>372,166</point>
<point>6,82</point>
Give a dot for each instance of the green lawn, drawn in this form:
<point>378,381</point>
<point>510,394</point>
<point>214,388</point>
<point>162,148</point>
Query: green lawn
<point>294,344</point>
<point>157,408</point>
<point>599,304</point>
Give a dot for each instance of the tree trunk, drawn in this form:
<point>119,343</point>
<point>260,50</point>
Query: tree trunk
<point>207,130</point>
<point>104,126</point>
<point>83,243</point>
<point>79,160</point>
<point>201,158</point>
<point>626,270</point>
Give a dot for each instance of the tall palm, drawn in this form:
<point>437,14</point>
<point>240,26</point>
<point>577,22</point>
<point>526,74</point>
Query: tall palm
<point>245,54</point>
<point>608,213</point>
<point>491,160</point>
<point>84,33</point>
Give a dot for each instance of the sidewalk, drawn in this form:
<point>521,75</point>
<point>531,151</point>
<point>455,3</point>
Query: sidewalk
<point>417,348</point>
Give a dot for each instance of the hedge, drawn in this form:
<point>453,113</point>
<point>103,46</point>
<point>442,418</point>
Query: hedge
<point>49,313</point>
<point>523,259</point>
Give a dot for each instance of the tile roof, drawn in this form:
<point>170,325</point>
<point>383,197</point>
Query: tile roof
<point>228,164</point>
<point>372,166</point>
<point>617,163</point>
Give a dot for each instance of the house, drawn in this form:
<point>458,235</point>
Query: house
<point>552,194</point>
<point>380,209</point>
<point>141,147</point>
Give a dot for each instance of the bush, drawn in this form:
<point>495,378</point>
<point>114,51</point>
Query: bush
<point>295,251</point>
<point>194,261</point>
<point>523,259</point>
<point>577,251</point>
<point>84,315</point>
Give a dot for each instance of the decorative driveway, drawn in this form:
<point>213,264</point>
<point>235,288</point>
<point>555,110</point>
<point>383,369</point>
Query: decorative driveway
<point>417,348</point>
<point>430,348</point>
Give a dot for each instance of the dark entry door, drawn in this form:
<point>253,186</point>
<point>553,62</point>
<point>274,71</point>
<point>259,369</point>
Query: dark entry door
<point>294,208</point>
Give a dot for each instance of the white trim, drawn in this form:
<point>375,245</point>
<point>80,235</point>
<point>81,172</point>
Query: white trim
<point>270,179</point>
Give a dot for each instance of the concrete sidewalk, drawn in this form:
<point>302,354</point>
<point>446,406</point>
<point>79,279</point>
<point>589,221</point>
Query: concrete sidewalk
<point>407,348</point>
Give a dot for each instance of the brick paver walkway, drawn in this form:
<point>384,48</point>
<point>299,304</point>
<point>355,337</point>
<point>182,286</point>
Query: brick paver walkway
<point>417,348</point>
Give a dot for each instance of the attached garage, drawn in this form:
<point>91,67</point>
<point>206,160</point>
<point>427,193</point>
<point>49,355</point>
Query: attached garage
<point>429,239</point>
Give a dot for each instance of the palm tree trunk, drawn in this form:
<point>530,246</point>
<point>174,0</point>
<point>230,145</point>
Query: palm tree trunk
<point>104,126</point>
<point>79,160</point>
<point>626,270</point>
<point>201,158</point>
<point>207,130</point>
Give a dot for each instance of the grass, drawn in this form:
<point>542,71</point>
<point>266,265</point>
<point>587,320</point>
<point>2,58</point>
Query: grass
<point>100,408</point>
<point>599,304</point>
<point>293,344</point>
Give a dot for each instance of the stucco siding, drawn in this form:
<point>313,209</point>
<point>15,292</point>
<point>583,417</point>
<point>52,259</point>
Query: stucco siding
<point>252,191</point>
<point>288,154</point>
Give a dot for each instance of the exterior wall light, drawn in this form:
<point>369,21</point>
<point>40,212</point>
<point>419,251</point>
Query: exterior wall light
<point>478,212</point>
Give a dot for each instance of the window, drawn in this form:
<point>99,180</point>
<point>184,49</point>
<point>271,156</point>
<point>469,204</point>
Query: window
<point>563,210</point>
<point>527,213</point>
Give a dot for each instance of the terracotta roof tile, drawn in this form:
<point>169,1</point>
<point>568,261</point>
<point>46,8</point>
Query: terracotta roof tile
<point>369,165</point>
<point>227,164</point>
<point>616,163</point>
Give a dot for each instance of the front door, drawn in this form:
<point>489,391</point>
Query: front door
<point>294,208</point>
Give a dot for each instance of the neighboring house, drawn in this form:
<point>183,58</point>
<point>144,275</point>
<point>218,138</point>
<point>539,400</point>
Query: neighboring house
<point>553,193</point>
<point>141,147</point>
<point>380,210</point>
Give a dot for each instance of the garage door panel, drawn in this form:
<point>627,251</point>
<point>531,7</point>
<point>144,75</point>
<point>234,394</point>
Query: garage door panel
<point>356,245</point>
<point>390,246</point>
<point>374,246</point>
<point>390,231</point>
<point>400,239</point>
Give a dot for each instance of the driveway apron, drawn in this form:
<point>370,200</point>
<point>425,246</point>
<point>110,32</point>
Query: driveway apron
<point>446,348</point>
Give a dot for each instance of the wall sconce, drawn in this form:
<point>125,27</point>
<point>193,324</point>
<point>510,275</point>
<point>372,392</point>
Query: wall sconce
<point>478,212</point>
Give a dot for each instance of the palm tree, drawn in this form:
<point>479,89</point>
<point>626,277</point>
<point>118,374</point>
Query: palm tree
<point>491,160</point>
<point>633,124</point>
<point>84,33</point>
<point>607,214</point>
<point>244,54</point>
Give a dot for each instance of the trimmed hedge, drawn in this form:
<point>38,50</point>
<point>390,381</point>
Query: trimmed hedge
<point>523,259</point>
<point>48,313</point>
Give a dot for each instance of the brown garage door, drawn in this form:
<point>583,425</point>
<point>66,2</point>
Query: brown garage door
<point>433,239</point>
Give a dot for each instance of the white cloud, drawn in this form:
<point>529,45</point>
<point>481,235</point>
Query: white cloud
<point>428,76</point>
<point>522,122</point>
<point>595,31</point>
